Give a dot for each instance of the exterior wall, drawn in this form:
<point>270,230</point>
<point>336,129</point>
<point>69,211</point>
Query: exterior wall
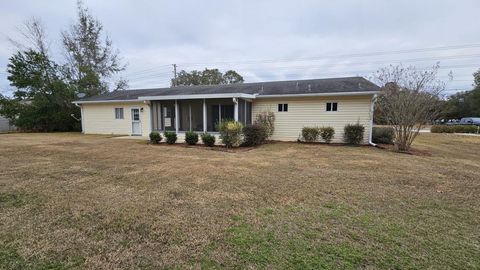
<point>311,112</point>
<point>99,118</point>
<point>5,125</point>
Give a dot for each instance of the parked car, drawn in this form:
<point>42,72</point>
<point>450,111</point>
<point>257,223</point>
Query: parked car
<point>468,121</point>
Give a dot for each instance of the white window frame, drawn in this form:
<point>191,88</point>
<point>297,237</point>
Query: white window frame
<point>331,111</point>
<point>123,113</point>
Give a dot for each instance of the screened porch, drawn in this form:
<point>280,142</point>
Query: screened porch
<point>200,115</point>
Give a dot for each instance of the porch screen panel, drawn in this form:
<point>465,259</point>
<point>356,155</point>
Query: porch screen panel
<point>168,115</point>
<point>248,114</point>
<point>218,110</point>
<point>197,115</point>
<point>157,115</point>
<point>184,114</point>
<point>241,111</point>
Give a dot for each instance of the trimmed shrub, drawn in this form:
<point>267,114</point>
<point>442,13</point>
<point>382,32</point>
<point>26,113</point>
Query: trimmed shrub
<point>454,129</point>
<point>254,135</point>
<point>170,137</point>
<point>191,138</point>
<point>383,135</point>
<point>155,137</point>
<point>267,121</point>
<point>310,134</point>
<point>327,133</point>
<point>230,133</point>
<point>353,133</point>
<point>208,139</point>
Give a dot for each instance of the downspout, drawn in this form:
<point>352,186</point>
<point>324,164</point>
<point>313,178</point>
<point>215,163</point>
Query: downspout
<point>372,108</point>
<point>81,115</point>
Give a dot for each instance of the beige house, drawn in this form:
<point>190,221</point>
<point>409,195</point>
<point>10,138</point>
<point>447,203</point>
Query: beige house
<point>332,102</point>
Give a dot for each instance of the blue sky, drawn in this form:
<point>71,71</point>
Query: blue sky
<point>267,40</point>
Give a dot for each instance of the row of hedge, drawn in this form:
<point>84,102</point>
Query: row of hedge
<point>455,129</point>
<point>353,134</point>
<point>191,138</point>
<point>232,134</point>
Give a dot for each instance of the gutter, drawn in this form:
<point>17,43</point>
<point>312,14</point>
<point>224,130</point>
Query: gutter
<point>372,108</point>
<point>320,94</point>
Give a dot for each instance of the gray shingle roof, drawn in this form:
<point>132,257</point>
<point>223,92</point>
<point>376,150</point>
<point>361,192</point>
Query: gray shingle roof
<point>332,85</point>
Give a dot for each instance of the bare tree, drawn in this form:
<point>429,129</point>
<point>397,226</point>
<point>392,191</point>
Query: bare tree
<point>33,36</point>
<point>410,99</point>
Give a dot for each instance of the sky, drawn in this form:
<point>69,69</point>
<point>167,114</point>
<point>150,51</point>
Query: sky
<point>266,40</point>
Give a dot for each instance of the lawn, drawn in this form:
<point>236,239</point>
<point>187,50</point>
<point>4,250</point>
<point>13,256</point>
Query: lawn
<point>80,201</point>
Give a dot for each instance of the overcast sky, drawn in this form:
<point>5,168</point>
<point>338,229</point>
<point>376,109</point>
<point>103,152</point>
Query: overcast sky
<point>267,40</point>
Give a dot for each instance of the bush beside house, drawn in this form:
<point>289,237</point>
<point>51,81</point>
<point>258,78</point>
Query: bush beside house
<point>353,133</point>
<point>383,135</point>
<point>155,137</point>
<point>230,133</point>
<point>170,137</point>
<point>254,135</point>
<point>191,138</point>
<point>208,139</point>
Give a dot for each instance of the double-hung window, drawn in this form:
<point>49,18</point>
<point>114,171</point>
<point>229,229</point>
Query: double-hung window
<point>118,113</point>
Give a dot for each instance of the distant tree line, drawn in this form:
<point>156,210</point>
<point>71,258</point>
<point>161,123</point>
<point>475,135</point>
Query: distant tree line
<point>464,104</point>
<point>206,77</point>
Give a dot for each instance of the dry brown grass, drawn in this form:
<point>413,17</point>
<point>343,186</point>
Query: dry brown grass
<point>71,200</point>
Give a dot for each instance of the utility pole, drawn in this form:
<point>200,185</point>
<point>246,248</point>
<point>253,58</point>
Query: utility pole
<point>175,74</point>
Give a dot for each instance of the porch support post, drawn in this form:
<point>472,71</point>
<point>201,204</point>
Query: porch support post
<point>177,122</point>
<point>204,116</point>
<point>235,111</point>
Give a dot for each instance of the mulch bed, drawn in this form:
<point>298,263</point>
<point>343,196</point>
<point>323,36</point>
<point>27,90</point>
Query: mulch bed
<point>220,148</point>
<point>413,151</point>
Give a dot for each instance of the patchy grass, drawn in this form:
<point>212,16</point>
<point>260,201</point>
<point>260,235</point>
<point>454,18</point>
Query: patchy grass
<point>77,201</point>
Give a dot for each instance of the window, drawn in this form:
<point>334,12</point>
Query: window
<point>283,107</point>
<point>332,106</point>
<point>118,113</point>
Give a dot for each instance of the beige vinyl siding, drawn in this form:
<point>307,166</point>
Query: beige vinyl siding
<point>99,118</point>
<point>311,112</point>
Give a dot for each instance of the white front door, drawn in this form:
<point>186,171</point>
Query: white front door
<point>136,123</point>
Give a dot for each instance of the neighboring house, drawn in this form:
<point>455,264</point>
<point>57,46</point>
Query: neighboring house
<point>332,102</point>
<point>5,125</point>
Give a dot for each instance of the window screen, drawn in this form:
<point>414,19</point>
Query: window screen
<point>118,113</point>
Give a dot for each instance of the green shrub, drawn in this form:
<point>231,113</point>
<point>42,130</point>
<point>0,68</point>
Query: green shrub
<point>454,129</point>
<point>441,129</point>
<point>267,121</point>
<point>353,133</point>
<point>310,134</point>
<point>327,133</point>
<point>170,137</point>
<point>383,135</point>
<point>465,129</point>
<point>155,137</point>
<point>254,135</point>
<point>208,139</point>
<point>191,138</point>
<point>230,133</point>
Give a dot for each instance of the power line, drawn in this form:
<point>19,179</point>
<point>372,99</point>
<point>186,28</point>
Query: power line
<point>454,47</point>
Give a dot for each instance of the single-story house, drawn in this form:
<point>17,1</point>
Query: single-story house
<point>333,102</point>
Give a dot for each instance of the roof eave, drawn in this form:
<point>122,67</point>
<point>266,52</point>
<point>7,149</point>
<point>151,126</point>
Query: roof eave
<point>358,93</point>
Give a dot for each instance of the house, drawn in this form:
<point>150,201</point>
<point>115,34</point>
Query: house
<point>5,125</point>
<point>333,102</point>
